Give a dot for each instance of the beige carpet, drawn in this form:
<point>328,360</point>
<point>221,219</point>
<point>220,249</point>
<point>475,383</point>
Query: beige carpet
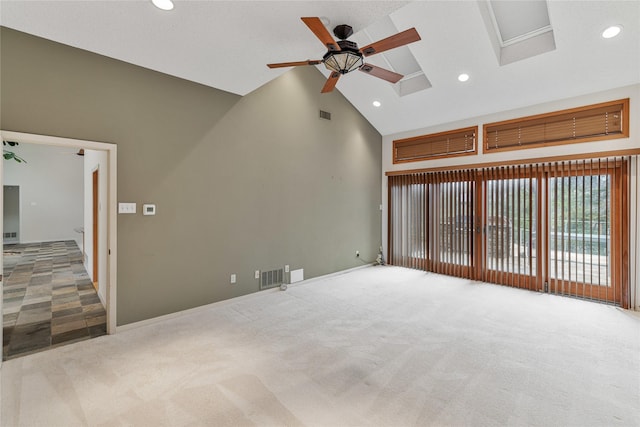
<point>379,346</point>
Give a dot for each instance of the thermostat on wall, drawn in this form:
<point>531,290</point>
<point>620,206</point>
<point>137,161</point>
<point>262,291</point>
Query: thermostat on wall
<point>148,209</point>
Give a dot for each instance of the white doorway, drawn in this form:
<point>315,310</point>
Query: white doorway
<point>95,210</point>
<point>108,258</point>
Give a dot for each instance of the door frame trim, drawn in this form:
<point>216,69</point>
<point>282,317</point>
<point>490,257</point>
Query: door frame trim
<point>95,231</point>
<point>112,216</point>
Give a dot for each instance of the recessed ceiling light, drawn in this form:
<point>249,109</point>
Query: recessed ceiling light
<point>611,31</point>
<point>163,4</point>
<point>463,77</point>
<point>377,103</point>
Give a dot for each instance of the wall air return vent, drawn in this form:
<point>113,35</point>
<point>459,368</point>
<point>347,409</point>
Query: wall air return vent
<point>272,278</point>
<point>325,115</point>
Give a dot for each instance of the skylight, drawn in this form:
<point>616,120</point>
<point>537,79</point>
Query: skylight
<point>518,29</point>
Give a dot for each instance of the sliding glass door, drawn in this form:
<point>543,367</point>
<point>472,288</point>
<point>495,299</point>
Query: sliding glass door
<point>451,220</point>
<point>554,227</point>
<point>585,230</point>
<point>511,221</point>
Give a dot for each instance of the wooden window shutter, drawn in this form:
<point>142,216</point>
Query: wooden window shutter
<point>608,120</point>
<point>459,142</point>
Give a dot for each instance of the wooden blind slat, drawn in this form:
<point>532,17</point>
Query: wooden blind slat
<point>594,122</point>
<point>445,144</point>
<point>559,130</point>
<point>532,134</point>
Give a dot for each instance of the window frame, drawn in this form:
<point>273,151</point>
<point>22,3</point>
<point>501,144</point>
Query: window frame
<point>430,138</point>
<point>488,128</point>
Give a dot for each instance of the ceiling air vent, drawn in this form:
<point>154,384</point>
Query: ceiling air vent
<point>325,115</point>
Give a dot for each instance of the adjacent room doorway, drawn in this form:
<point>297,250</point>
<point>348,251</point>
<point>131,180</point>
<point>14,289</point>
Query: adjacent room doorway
<point>106,184</point>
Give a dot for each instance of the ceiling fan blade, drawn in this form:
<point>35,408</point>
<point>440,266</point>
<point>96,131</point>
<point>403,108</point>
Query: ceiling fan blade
<point>321,32</point>
<point>381,73</point>
<point>294,64</point>
<point>331,82</point>
<point>400,39</point>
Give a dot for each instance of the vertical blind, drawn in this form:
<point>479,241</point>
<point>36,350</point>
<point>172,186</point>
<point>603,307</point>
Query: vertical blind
<point>431,222</point>
<point>587,228</point>
<point>407,219</point>
<point>511,225</point>
<point>559,227</point>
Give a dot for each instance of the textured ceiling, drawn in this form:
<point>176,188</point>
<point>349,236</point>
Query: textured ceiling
<point>226,44</point>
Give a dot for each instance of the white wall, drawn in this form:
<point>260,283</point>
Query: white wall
<point>633,141</point>
<point>51,192</point>
<point>96,160</point>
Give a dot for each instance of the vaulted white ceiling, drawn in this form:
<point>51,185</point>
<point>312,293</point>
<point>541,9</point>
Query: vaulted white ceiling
<point>226,44</point>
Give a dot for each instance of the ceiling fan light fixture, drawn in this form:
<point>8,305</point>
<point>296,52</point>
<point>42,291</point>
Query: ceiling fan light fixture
<point>463,77</point>
<point>343,62</point>
<point>163,4</point>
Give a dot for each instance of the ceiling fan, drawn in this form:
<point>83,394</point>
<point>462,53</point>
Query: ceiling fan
<point>343,56</point>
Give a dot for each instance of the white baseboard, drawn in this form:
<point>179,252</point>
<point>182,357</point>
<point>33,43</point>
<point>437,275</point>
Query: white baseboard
<point>189,311</point>
<point>62,239</point>
<point>326,276</point>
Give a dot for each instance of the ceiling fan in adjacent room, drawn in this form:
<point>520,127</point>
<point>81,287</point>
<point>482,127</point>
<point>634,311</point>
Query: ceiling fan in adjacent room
<point>343,56</point>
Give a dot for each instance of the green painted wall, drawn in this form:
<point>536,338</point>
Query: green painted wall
<point>240,183</point>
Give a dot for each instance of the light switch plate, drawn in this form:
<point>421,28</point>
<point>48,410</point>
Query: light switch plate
<point>126,208</point>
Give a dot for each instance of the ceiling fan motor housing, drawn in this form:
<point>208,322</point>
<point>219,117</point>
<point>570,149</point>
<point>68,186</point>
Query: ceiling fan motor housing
<point>347,45</point>
<point>343,31</point>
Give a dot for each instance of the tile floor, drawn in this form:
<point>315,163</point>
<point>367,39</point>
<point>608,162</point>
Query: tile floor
<point>49,299</point>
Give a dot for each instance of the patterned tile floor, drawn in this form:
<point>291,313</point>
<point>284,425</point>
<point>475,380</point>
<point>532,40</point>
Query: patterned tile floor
<point>49,299</point>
